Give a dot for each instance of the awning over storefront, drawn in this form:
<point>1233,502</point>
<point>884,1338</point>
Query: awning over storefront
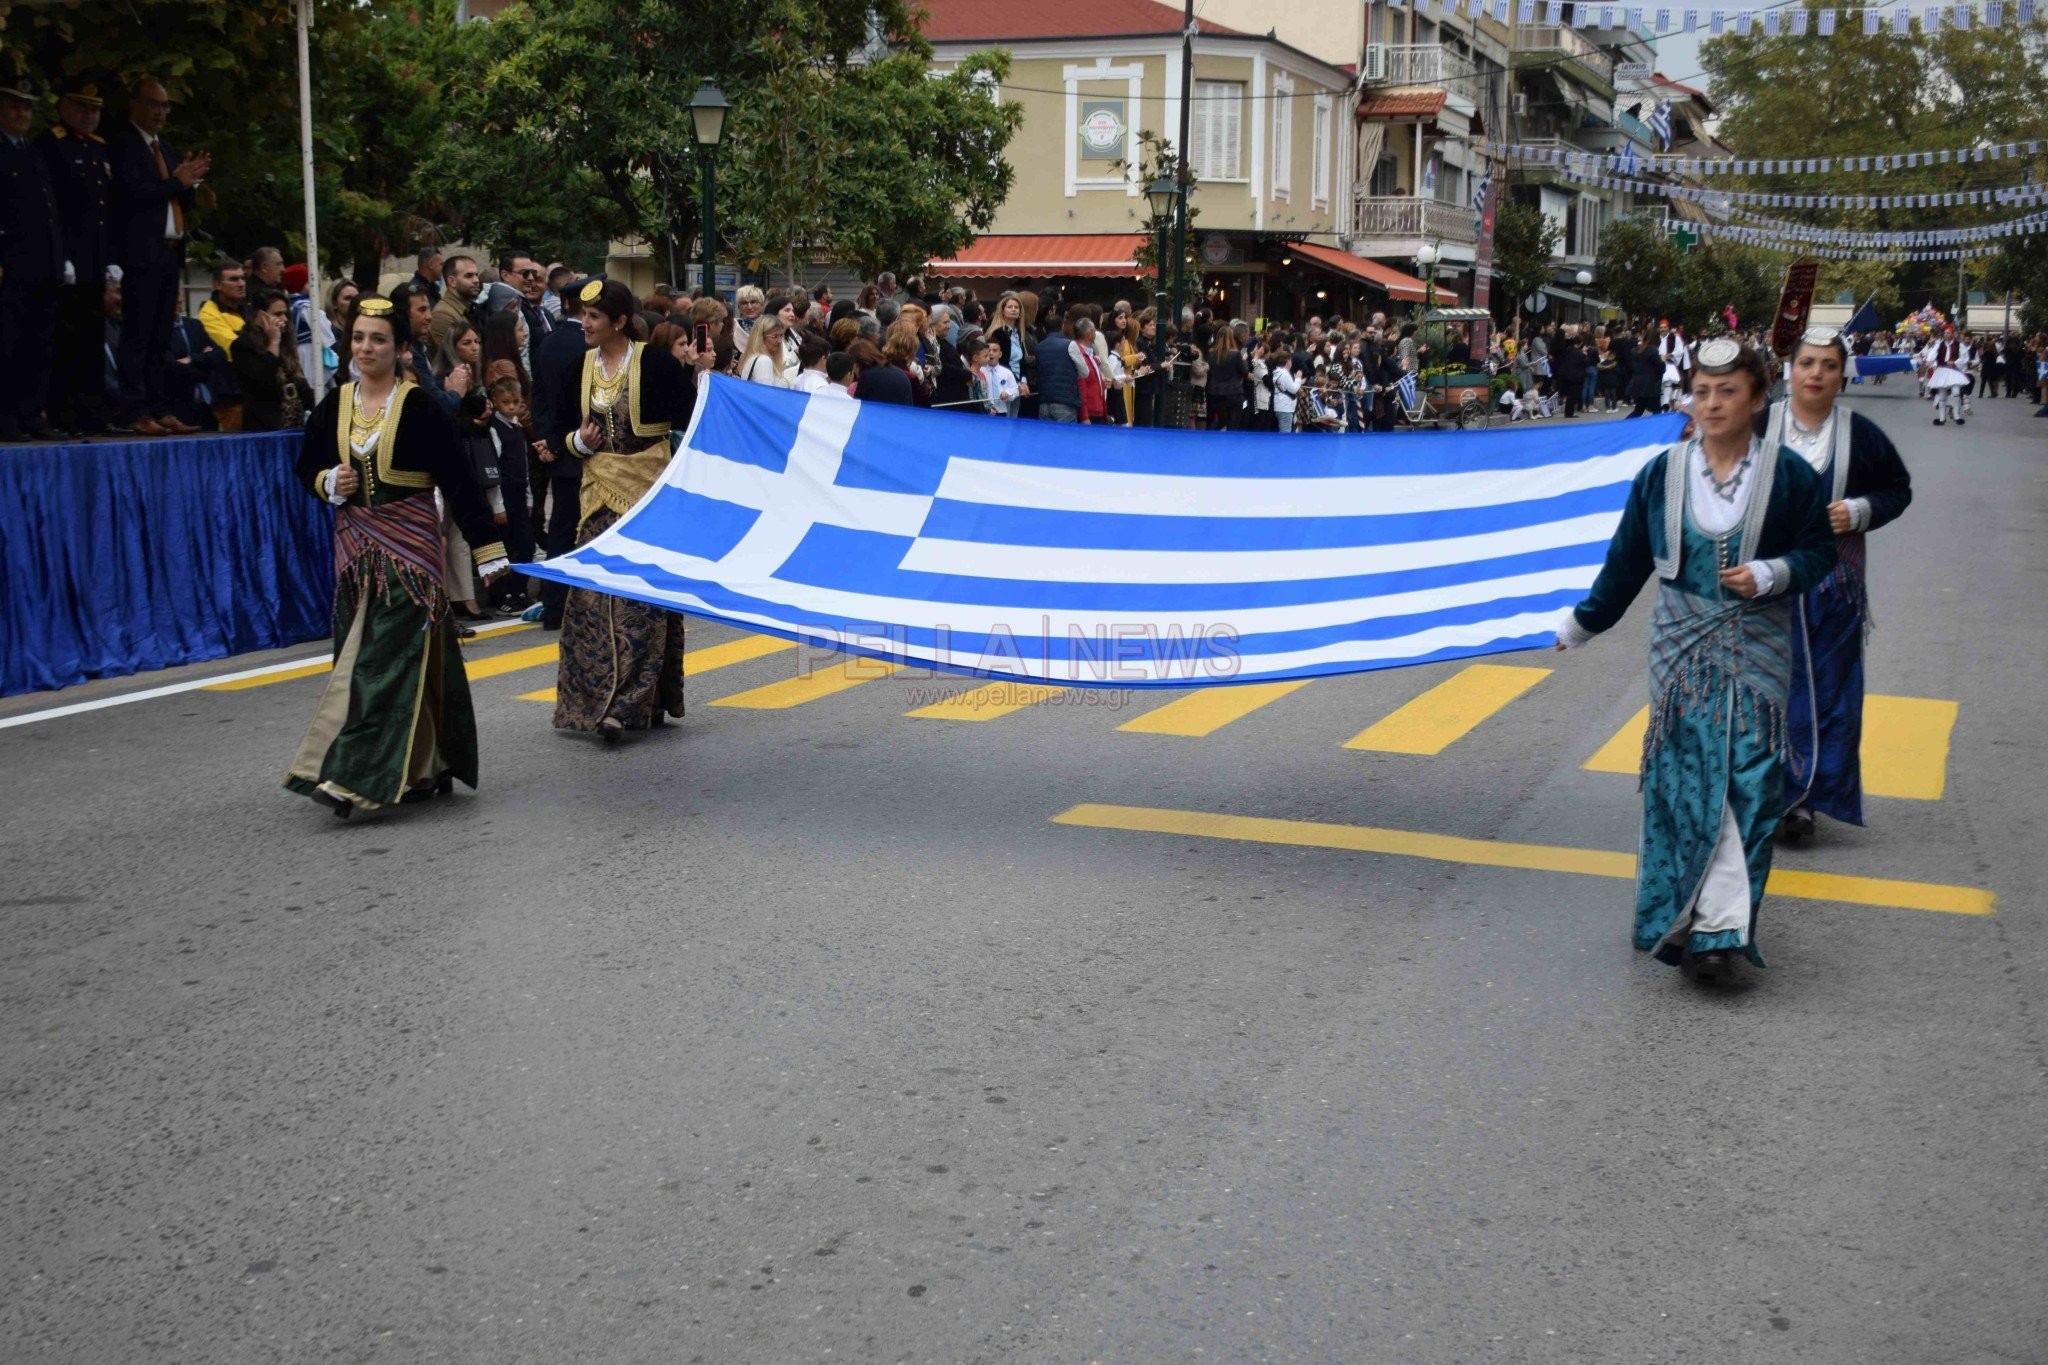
<point>1048,256</point>
<point>1405,288</point>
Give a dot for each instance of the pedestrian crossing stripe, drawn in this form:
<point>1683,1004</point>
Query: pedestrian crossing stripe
<point>988,702</point>
<point>1591,862</point>
<point>1201,714</point>
<point>1449,711</point>
<point>1906,743</point>
<point>709,659</point>
<point>264,677</point>
<point>823,682</point>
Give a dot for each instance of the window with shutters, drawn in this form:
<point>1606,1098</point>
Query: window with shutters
<point>1283,138</point>
<point>1213,130</point>
<point>1319,155</point>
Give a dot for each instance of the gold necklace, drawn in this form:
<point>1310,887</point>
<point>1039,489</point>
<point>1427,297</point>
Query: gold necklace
<point>605,389</point>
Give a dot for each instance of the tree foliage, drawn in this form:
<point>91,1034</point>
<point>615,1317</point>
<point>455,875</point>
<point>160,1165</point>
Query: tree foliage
<point>232,72</point>
<point>1524,241</point>
<point>1856,94</point>
<point>560,125</point>
<point>836,143</point>
<point>1638,265</point>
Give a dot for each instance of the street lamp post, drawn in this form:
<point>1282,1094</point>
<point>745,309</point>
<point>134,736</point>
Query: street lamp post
<point>1583,278</point>
<point>707,125</point>
<point>1162,194</point>
<point>1425,260</point>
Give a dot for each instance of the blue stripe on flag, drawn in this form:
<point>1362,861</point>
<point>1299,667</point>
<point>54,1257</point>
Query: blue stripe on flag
<point>981,523</point>
<point>1025,642</point>
<point>865,562</point>
<point>750,433</point>
<point>692,524</point>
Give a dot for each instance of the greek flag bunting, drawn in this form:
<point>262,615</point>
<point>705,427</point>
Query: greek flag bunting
<point>1105,556</point>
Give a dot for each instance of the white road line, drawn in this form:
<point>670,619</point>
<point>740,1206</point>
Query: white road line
<point>193,685</point>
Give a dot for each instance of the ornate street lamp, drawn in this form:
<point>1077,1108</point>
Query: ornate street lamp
<point>707,125</point>
<point>1425,259</point>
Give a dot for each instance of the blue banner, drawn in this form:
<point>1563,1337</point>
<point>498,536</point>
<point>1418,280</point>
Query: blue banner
<point>120,556</point>
<point>1104,556</point>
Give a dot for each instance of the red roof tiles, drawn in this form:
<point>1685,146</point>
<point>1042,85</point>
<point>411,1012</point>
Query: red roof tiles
<point>990,21</point>
<point>1405,104</point>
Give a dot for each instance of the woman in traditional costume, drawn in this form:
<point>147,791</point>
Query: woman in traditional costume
<point>1865,485</point>
<point>395,723</point>
<point>1735,530</point>
<point>622,661</point>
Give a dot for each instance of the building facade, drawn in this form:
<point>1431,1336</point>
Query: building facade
<point>1272,146</point>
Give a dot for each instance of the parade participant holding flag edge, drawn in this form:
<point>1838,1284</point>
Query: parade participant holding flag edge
<point>1865,485</point>
<point>1734,530</point>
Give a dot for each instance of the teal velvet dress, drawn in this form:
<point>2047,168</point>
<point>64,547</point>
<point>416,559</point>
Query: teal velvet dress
<point>1720,676</point>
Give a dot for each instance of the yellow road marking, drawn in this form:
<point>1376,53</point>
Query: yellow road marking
<point>322,666</point>
<point>987,703</point>
<point>1905,746</point>
<point>511,661</point>
<point>1589,862</point>
<point>1209,710</point>
<point>285,675</point>
<point>825,682</point>
<point>1448,712</point>
<point>1624,752</point>
<point>705,660</point>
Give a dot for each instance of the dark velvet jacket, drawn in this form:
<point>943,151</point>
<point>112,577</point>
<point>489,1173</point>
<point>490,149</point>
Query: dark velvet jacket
<point>422,452</point>
<point>1876,473</point>
<point>1795,537</point>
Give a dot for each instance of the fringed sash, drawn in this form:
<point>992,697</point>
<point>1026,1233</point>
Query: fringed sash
<point>403,536</point>
<point>617,481</point>
<point>1704,651</point>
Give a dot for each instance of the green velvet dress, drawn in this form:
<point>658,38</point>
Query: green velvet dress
<point>396,711</point>
<point>1720,674</point>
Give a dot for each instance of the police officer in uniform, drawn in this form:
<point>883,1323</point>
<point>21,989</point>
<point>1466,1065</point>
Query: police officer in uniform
<point>81,174</point>
<point>31,268</point>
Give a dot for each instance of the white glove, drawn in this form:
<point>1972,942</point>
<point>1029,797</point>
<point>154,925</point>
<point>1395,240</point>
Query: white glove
<point>70,273</point>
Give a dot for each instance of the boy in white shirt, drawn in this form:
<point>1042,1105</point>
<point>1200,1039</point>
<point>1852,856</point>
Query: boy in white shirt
<point>998,386</point>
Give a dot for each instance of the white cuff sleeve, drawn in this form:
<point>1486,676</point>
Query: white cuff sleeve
<point>1859,514</point>
<point>576,443</point>
<point>489,567</point>
<point>1570,633</point>
<point>327,488</point>
<point>495,496</point>
<point>1767,573</point>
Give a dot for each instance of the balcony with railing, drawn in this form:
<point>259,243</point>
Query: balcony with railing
<point>1578,56</point>
<point>1398,64</point>
<point>1394,225</point>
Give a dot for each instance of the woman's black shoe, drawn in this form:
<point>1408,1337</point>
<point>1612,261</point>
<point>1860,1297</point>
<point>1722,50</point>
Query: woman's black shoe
<point>1796,827</point>
<point>1710,968</point>
<point>340,809</point>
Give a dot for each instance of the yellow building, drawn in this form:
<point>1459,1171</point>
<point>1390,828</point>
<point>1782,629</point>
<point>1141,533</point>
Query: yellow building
<point>1271,143</point>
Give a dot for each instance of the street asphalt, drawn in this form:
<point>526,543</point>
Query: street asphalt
<point>808,1034</point>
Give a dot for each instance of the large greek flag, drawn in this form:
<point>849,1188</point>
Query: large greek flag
<point>1114,557</point>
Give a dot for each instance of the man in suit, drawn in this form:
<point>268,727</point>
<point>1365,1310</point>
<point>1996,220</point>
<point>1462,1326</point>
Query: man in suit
<point>557,380</point>
<point>81,176</point>
<point>31,268</point>
<point>153,196</point>
<point>427,275</point>
<point>461,297</point>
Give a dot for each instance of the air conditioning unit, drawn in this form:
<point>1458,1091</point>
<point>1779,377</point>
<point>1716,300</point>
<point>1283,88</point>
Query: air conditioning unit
<point>1375,62</point>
